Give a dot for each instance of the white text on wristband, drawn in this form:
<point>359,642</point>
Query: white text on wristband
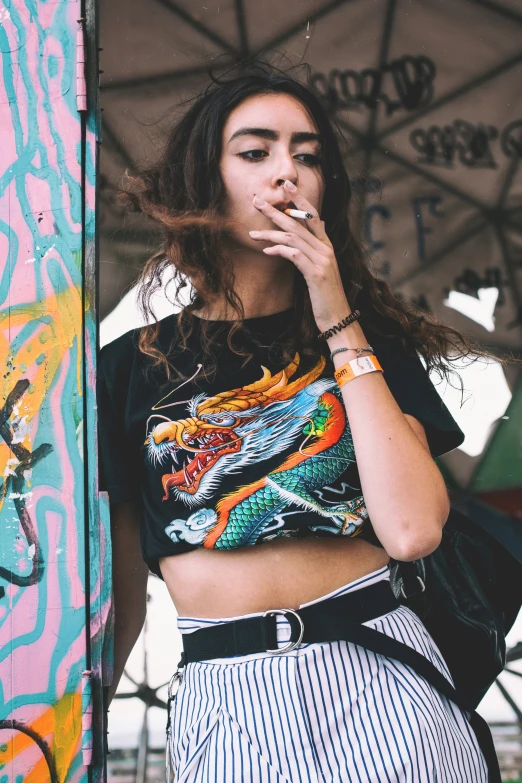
<point>356,367</point>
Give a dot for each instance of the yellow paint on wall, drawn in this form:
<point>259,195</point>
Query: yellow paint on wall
<point>65,311</point>
<point>60,726</point>
<point>54,338</point>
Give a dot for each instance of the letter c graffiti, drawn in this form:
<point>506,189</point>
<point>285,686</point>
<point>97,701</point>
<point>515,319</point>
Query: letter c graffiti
<point>375,209</point>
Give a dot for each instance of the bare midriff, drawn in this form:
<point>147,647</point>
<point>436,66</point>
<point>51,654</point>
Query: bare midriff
<point>283,573</point>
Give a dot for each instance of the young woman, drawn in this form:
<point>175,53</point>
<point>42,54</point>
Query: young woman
<point>250,478</point>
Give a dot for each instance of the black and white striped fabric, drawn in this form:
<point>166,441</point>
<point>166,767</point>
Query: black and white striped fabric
<point>321,712</point>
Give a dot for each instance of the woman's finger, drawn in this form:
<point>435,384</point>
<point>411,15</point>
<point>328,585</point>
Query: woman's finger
<point>314,225</point>
<point>287,223</point>
<point>303,264</point>
<point>291,239</point>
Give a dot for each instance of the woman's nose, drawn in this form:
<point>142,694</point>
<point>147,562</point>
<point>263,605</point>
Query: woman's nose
<point>285,169</point>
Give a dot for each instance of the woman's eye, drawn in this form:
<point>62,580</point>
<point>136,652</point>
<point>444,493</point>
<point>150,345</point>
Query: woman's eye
<point>256,153</point>
<point>311,160</point>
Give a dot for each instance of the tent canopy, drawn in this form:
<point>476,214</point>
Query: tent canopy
<point>428,97</point>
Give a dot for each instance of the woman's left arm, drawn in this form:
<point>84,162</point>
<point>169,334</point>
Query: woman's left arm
<point>404,492</point>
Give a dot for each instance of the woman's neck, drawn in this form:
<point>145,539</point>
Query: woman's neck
<point>263,284</point>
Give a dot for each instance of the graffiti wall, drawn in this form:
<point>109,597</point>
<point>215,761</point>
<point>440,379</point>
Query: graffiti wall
<point>50,601</point>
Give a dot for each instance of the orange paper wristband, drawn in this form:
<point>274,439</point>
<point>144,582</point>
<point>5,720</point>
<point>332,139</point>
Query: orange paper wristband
<point>356,367</point>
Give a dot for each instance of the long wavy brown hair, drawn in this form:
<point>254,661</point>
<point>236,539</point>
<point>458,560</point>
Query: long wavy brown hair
<point>183,195</point>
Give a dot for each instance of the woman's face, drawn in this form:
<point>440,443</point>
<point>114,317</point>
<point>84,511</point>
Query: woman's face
<point>267,139</point>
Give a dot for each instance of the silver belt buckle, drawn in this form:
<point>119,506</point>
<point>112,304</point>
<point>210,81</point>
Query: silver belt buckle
<point>176,678</point>
<point>422,588</point>
<point>290,645</point>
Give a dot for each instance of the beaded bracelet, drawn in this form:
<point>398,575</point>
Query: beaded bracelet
<point>341,325</point>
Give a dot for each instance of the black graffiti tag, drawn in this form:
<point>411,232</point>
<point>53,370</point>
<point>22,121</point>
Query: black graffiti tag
<point>14,485</point>
<point>511,139</point>
<point>406,83</point>
<point>461,140</point>
<point>466,143</point>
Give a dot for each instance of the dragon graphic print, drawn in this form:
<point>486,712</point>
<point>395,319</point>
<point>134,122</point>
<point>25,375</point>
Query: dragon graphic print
<point>300,418</point>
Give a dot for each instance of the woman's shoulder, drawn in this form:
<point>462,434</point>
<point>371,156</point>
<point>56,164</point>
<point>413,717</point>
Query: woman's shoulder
<point>410,383</point>
<point>125,344</point>
<point>117,357</point>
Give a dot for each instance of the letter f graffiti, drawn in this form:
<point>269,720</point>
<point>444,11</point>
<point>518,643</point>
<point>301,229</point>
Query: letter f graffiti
<point>432,202</point>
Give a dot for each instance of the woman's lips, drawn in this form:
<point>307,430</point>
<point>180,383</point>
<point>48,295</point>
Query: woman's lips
<point>282,205</point>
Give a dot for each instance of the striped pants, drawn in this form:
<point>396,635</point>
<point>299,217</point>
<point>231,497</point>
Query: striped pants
<point>321,712</point>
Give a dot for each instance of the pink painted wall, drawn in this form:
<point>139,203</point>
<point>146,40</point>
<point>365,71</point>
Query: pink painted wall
<point>51,603</point>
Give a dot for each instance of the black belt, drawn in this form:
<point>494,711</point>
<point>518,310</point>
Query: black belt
<point>316,623</point>
<point>335,619</point>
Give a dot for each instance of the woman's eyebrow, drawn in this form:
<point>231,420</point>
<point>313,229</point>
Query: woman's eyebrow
<point>273,135</point>
<point>297,138</point>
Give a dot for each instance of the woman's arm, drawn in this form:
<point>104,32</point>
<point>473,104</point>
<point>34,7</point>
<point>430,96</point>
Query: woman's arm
<point>403,489</point>
<point>129,579</point>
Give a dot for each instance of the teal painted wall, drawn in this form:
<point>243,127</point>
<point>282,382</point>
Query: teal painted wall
<point>54,543</point>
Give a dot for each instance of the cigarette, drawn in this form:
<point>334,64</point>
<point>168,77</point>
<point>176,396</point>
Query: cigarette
<point>298,213</point>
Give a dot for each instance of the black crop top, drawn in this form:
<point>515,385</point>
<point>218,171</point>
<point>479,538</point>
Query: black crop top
<point>260,450</point>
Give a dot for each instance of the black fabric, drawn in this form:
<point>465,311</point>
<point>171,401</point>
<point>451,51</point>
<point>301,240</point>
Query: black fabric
<point>262,485</point>
<point>326,622</point>
<point>415,393</point>
<point>119,467</point>
<point>258,634</point>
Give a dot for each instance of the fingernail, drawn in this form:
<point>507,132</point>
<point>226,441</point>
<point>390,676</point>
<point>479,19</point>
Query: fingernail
<point>290,186</point>
<point>259,201</point>
<point>253,233</point>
